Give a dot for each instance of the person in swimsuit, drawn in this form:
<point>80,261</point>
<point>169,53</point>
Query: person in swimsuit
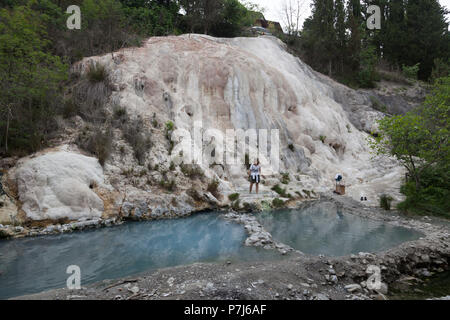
<point>255,175</point>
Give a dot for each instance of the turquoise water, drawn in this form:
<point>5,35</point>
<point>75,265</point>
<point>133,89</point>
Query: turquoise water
<point>322,228</point>
<point>34,265</point>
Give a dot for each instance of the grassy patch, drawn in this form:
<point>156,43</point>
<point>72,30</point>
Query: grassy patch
<point>281,191</point>
<point>277,203</point>
<point>97,73</point>
<point>323,138</point>
<point>285,178</point>
<point>233,197</point>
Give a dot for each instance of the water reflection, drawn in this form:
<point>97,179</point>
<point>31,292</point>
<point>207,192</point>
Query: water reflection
<point>324,228</point>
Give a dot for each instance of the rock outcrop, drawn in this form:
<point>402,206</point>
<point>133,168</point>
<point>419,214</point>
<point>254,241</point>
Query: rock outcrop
<point>203,83</point>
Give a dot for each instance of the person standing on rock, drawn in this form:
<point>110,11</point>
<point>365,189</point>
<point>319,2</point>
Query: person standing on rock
<point>255,175</point>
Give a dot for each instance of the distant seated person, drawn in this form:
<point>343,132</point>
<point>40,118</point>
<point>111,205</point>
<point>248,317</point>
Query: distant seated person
<point>338,178</point>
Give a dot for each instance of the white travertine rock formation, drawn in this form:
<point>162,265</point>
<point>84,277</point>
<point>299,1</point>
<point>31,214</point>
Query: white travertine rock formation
<point>253,83</point>
<point>59,184</point>
<point>240,83</point>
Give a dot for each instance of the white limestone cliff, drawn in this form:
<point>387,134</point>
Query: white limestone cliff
<point>240,83</point>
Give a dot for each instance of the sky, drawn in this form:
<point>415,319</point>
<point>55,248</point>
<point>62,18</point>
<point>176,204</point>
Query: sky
<point>273,9</point>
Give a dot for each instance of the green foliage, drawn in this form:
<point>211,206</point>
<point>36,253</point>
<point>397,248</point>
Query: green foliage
<point>277,203</point>
<point>285,178</point>
<point>441,69</point>
<point>367,75</point>
<point>420,141</point>
<point>322,138</point>
<point>432,197</point>
<point>385,202</point>
<point>336,41</point>
<point>220,18</point>
<point>30,78</point>
<point>280,191</point>
<point>169,126</point>
<point>236,205</point>
<point>213,187</point>
<point>411,72</point>
<point>233,196</point>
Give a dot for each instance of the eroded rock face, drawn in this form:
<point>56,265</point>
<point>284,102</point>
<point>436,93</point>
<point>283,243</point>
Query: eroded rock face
<point>59,184</point>
<point>253,83</point>
<point>219,84</point>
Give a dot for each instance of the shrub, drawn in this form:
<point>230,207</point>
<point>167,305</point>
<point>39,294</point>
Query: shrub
<point>432,197</point>
<point>441,69</point>
<point>285,178</point>
<point>411,72</point>
<point>277,203</point>
<point>120,113</point>
<point>97,73</point>
<point>70,109</point>
<point>323,138</point>
<point>385,202</point>
<point>154,121</point>
<point>194,194</point>
<point>169,127</point>
<point>291,147</point>
<point>377,105</point>
<point>4,234</point>
<point>280,191</point>
<point>213,187</point>
<point>233,197</point>
<point>236,205</point>
<point>139,139</point>
<point>168,185</point>
<point>192,171</point>
<point>98,142</point>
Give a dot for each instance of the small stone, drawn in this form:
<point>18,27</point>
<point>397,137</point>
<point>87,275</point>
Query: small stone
<point>321,296</point>
<point>353,288</point>
<point>333,279</point>
<point>134,289</point>
<point>290,286</point>
<point>305,285</point>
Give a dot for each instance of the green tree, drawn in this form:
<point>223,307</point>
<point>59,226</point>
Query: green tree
<point>420,141</point>
<point>30,80</point>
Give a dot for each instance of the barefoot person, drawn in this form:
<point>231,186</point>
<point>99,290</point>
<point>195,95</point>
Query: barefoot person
<point>255,175</point>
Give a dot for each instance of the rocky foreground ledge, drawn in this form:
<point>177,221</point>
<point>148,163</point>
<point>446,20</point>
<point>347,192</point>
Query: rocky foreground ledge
<point>296,276</point>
